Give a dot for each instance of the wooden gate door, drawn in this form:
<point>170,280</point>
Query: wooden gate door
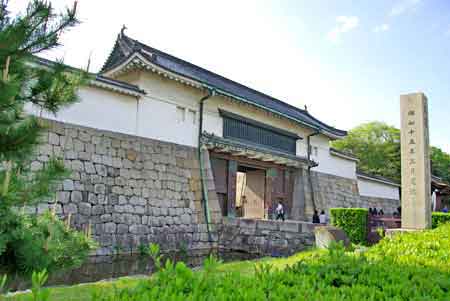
<point>254,194</point>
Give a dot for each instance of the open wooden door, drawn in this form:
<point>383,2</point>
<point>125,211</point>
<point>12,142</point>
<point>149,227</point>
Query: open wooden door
<point>254,193</point>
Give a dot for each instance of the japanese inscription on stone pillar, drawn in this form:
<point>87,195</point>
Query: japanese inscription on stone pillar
<point>416,191</point>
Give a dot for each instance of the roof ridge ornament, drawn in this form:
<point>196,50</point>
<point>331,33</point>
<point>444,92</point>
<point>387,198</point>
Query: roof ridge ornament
<point>122,31</point>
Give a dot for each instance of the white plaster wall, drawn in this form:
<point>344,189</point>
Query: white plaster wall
<point>155,116</point>
<point>100,109</point>
<point>376,189</point>
<point>328,163</point>
<point>158,120</point>
<point>158,116</point>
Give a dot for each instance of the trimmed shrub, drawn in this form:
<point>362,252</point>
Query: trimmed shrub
<point>353,221</point>
<point>438,218</point>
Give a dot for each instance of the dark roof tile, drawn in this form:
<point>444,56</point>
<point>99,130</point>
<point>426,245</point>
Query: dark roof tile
<point>124,46</point>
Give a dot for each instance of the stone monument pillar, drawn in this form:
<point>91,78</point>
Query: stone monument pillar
<point>416,189</point>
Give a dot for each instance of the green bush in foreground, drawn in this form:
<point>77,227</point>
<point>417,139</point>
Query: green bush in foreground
<point>438,218</point>
<point>410,266</point>
<point>353,221</point>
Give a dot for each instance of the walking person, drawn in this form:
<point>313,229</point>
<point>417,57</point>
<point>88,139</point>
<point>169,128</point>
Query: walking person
<point>279,211</point>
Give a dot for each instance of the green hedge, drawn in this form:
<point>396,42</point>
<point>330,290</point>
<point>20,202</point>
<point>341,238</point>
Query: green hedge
<point>438,218</point>
<point>353,221</point>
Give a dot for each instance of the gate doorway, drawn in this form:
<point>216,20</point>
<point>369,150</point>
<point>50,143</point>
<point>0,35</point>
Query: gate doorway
<point>250,192</point>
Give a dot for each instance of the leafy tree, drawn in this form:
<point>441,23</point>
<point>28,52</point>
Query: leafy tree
<point>377,146</point>
<point>23,82</point>
<point>440,163</point>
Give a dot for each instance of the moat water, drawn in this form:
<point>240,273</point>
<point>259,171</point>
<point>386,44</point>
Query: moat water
<point>98,268</point>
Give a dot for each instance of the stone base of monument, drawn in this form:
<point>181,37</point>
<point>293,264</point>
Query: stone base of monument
<point>325,235</point>
<point>392,232</point>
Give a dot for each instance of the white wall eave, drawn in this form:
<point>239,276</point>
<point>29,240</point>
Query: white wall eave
<point>343,156</point>
<point>378,180</point>
<point>115,88</point>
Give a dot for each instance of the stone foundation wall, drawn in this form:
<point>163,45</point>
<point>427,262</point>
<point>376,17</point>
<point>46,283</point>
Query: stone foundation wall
<point>329,191</point>
<point>266,237</point>
<point>128,190</point>
<point>131,191</point>
<point>389,206</point>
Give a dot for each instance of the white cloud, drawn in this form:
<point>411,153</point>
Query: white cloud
<point>381,28</point>
<point>403,6</point>
<point>344,24</point>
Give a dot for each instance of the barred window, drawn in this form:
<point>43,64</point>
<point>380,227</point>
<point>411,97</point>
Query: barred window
<point>251,131</point>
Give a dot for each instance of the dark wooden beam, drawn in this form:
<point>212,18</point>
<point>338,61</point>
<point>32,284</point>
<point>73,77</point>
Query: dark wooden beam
<point>231,193</point>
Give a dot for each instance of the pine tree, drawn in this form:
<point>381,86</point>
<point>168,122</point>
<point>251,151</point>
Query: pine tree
<point>25,82</point>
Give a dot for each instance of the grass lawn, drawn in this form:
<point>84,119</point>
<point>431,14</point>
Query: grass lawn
<point>84,291</point>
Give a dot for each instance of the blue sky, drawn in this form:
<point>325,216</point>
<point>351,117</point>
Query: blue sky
<point>348,61</point>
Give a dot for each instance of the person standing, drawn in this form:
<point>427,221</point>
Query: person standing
<point>315,218</point>
<point>279,211</point>
<point>322,217</point>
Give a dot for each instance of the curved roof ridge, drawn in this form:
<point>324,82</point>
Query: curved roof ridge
<point>216,74</point>
<point>195,72</point>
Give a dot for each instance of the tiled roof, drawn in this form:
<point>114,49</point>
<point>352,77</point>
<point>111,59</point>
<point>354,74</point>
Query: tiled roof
<point>125,47</point>
<point>96,78</point>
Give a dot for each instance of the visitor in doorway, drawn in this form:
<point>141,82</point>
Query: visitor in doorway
<point>316,219</point>
<point>322,217</point>
<point>381,212</point>
<point>370,211</point>
<point>445,209</point>
<point>279,211</point>
<point>374,212</point>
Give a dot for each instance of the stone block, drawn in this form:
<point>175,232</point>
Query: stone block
<point>100,188</point>
<point>138,229</point>
<point>89,168</point>
<point>85,208</point>
<point>84,136</point>
<point>128,208</point>
<point>185,219</point>
<point>70,208</point>
<point>138,201</point>
<point>266,225</point>
<point>63,197</point>
<point>327,234</point>
<point>76,196</point>
<point>84,156</point>
<point>78,145</point>
<point>98,210</point>
<point>107,160</point>
<point>68,185</point>
<point>103,200</point>
<point>288,226</point>
<point>77,165</point>
<point>122,229</point>
<point>106,218</point>
<point>109,228</point>
<point>139,210</point>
